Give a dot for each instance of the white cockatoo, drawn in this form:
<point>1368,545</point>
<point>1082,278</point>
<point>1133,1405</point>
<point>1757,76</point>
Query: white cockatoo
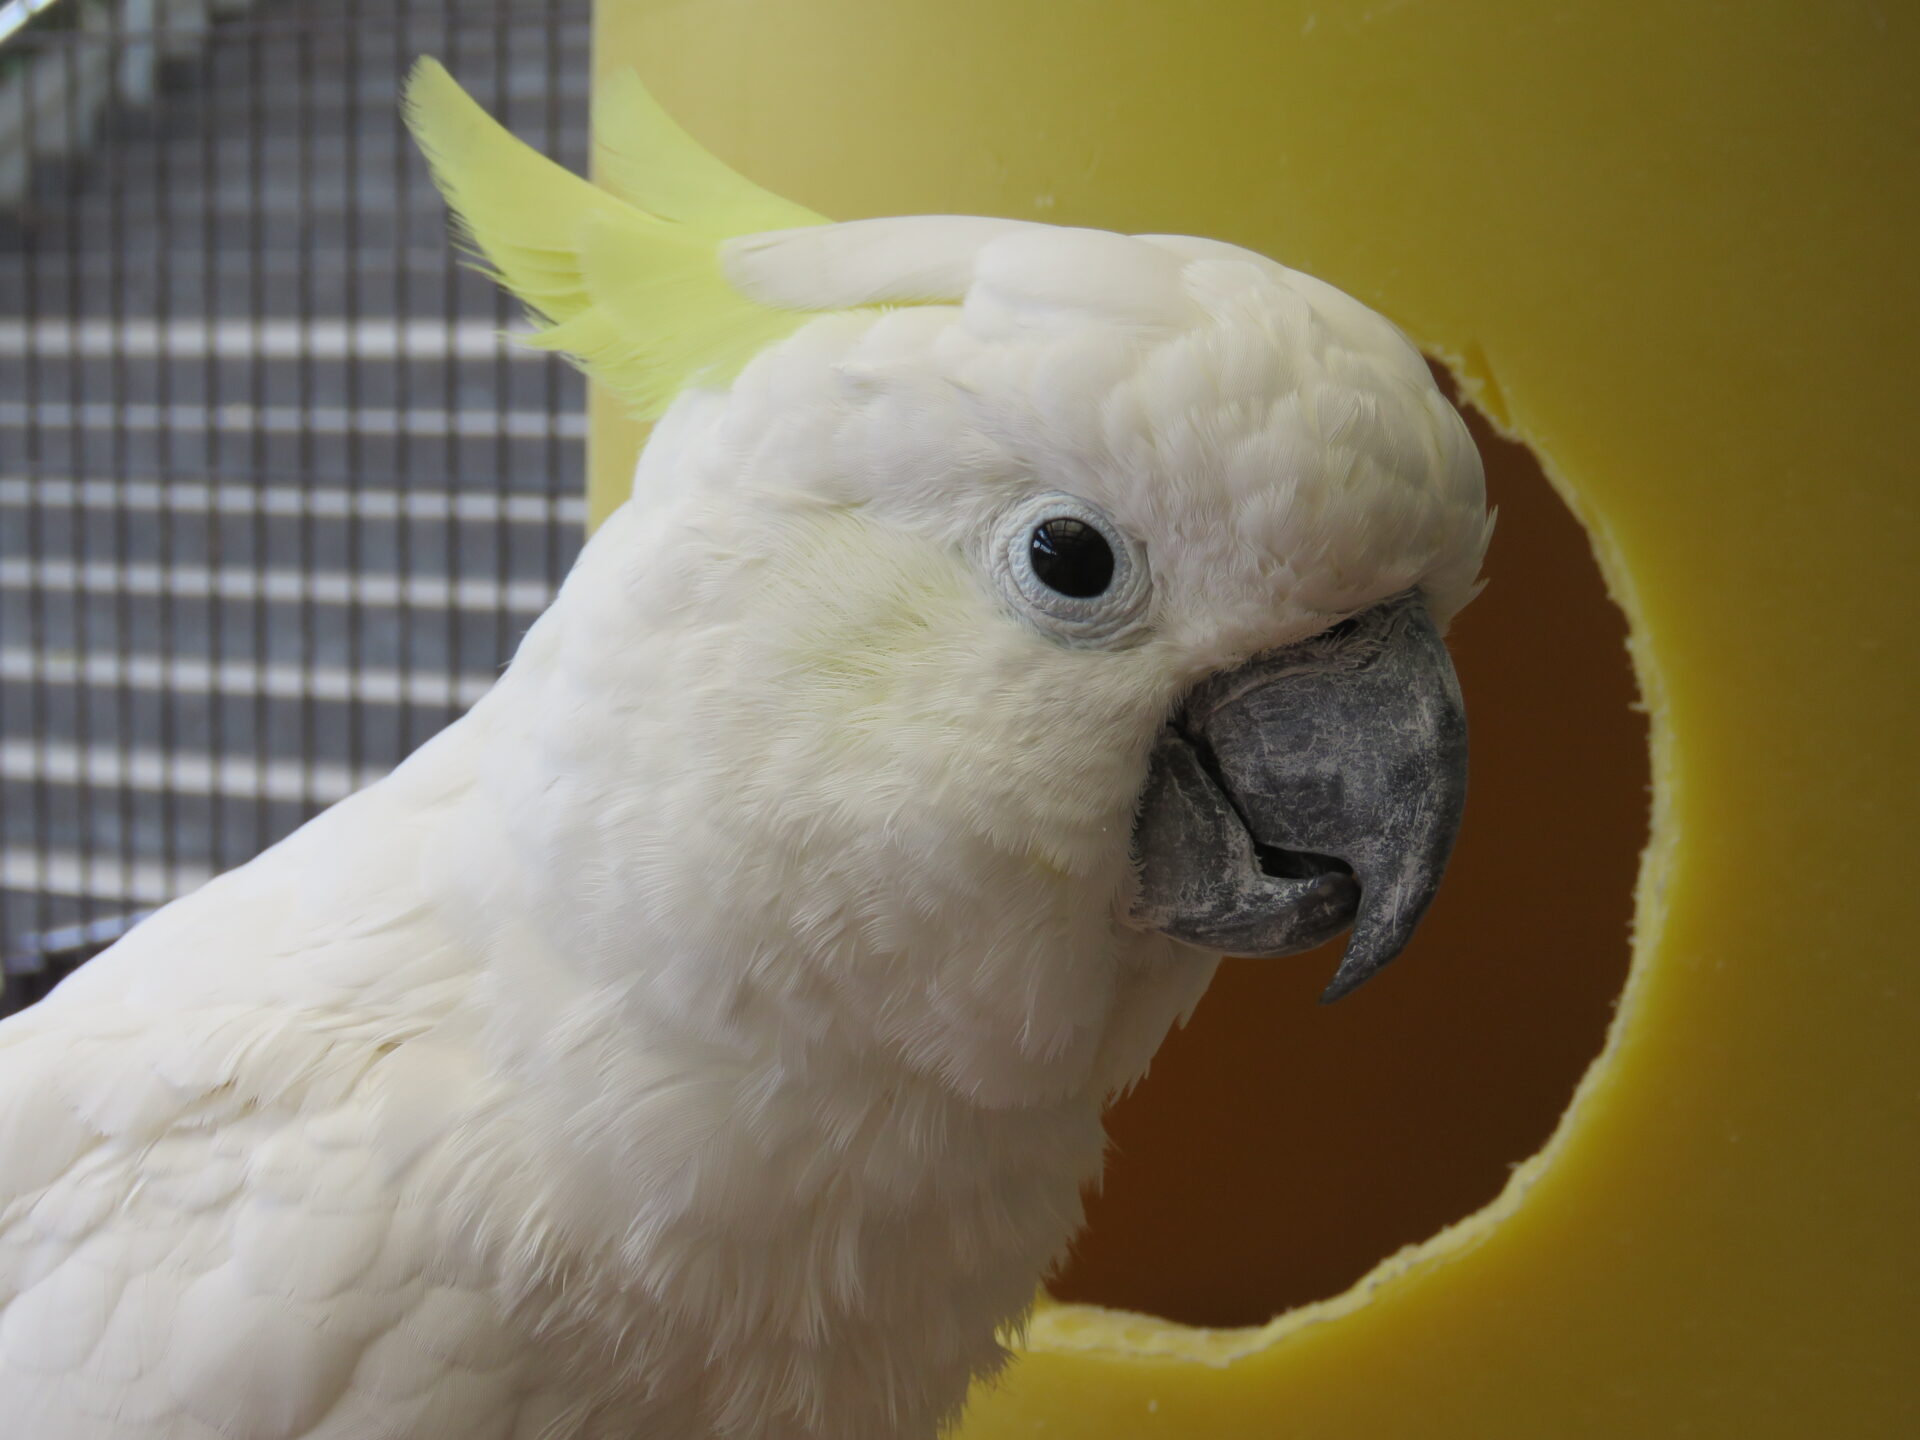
<point>707,1036</point>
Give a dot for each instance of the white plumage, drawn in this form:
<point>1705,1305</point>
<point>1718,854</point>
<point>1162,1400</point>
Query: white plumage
<point>708,1035</point>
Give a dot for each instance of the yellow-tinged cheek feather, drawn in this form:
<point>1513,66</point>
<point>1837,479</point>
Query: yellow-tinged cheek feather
<point>892,654</point>
<point>868,618</point>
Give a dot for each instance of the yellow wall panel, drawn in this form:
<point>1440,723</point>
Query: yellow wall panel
<point>1670,246</point>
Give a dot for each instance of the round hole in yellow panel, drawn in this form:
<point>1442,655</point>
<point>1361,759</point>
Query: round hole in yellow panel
<point>1279,1149</point>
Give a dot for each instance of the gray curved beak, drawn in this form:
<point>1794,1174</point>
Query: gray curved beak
<point>1312,788</point>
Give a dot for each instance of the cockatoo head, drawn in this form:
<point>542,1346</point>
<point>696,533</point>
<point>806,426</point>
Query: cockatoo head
<point>1047,582</point>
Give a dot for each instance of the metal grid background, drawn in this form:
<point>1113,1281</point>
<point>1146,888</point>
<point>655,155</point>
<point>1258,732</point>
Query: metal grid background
<point>276,502</point>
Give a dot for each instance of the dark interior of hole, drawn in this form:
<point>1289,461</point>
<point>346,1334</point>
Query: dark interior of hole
<point>1280,1148</point>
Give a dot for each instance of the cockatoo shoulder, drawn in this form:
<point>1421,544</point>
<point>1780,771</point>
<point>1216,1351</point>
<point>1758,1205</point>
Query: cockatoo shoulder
<point>225,1211</point>
<point>215,1227</point>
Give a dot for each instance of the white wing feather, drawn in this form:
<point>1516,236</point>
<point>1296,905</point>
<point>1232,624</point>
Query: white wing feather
<point>210,1221</point>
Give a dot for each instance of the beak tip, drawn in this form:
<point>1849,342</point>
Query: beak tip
<point>1369,951</point>
<point>1345,981</point>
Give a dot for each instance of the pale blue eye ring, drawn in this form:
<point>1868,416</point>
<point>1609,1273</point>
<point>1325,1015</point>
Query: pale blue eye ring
<point>1114,616</point>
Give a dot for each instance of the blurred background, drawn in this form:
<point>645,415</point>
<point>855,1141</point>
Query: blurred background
<point>276,498</point>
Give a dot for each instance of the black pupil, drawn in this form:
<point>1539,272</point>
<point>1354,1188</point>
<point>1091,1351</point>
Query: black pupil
<point>1072,557</point>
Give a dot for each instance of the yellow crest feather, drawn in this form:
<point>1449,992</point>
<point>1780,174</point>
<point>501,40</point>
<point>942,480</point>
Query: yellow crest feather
<point>626,280</point>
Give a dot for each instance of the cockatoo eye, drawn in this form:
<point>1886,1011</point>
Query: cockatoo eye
<point>1071,556</point>
<point>1068,568</point>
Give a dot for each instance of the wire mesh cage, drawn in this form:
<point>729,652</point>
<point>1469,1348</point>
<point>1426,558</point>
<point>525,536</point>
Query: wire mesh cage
<point>277,498</point>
